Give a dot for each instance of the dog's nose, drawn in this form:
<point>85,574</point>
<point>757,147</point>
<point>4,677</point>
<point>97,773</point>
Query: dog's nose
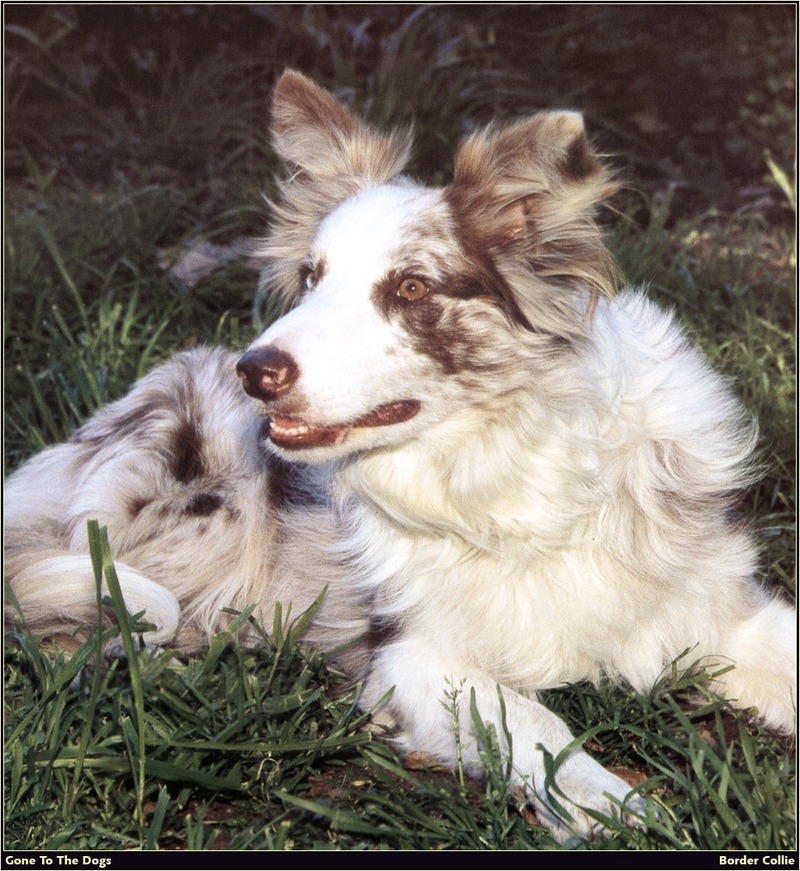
<point>267,373</point>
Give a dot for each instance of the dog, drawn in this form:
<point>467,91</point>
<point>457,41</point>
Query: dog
<point>504,476</point>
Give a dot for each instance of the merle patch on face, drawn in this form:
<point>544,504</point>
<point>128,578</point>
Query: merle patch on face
<point>437,324</point>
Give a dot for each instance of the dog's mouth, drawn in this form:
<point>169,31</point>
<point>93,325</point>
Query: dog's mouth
<point>293,433</point>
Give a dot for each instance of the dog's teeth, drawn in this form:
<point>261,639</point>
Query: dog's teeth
<point>299,429</point>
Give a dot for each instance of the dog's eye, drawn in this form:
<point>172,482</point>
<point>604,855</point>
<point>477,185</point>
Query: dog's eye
<point>412,289</point>
<point>308,278</point>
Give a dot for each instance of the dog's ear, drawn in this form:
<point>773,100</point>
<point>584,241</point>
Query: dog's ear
<point>528,195</point>
<point>314,133</point>
<point>330,155</point>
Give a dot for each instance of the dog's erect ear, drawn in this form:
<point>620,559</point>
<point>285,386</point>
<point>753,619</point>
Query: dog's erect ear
<point>528,194</point>
<point>539,170</point>
<point>330,155</point>
<point>315,133</point>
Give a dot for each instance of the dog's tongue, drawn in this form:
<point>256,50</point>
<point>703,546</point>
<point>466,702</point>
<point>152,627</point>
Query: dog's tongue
<point>292,432</point>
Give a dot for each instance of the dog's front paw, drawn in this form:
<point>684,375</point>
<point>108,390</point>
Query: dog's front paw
<point>581,799</point>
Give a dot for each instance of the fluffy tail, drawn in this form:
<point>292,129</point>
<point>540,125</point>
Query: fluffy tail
<point>57,597</point>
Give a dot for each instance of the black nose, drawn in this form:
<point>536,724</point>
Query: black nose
<point>267,373</point>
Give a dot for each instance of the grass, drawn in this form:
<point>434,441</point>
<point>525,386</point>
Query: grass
<point>261,747</point>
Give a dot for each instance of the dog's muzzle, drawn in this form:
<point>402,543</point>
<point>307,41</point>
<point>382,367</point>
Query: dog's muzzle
<point>268,374</point>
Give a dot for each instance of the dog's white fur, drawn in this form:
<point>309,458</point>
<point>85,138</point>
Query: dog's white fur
<point>514,480</point>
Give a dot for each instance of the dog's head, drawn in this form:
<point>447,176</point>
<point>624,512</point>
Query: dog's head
<point>411,304</point>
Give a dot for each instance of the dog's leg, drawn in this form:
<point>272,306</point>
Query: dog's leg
<point>425,690</point>
<point>763,647</point>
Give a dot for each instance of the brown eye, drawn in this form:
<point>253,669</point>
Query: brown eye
<point>412,289</point>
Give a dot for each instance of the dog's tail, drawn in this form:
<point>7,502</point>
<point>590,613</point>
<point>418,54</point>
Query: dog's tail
<point>55,596</point>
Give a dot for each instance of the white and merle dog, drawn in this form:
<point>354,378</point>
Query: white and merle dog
<point>503,476</point>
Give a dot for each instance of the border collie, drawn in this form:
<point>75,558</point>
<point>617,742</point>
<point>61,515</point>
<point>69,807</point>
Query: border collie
<point>507,477</point>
